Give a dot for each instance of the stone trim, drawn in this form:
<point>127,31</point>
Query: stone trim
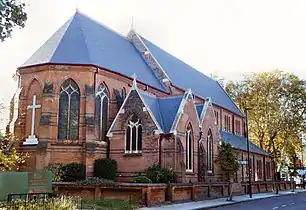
<point>122,111</point>
<point>151,61</point>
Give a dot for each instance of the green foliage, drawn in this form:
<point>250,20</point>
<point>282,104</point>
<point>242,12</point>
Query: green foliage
<point>96,181</point>
<point>160,175</point>
<point>227,161</point>
<point>74,172</point>
<point>67,172</point>
<point>276,120</point>
<point>105,168</point>
<point>12,14</point>
<point>63,203</point>
<point>141,179</point>
<point>113,204</point>
<point>57,172</point>
<point>10,159</point>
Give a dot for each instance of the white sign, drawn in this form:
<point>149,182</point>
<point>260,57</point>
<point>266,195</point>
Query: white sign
<point>242,162</point>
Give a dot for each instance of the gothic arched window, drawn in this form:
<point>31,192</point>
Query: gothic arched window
<point>69,109</point>
<point>133,142</point>
<point>189,146</point>
<point>102,100</point>
<point>209,151</point>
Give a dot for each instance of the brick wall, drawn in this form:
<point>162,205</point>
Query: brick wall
<point>157,194</point>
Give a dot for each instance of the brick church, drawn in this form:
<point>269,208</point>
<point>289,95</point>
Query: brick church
<point>89,93</point>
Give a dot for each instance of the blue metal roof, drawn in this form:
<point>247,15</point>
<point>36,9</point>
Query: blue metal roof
<point>187,77</point>
<point>163,109</point>
<point>82,40</point>
<point>240,142</point>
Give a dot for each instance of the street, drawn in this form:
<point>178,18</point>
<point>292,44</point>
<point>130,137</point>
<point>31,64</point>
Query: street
<point>295,202</point>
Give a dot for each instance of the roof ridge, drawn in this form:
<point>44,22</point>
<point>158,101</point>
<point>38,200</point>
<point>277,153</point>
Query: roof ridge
<point>175,57</point>
<point>170,97</point>
<point>85,40</point>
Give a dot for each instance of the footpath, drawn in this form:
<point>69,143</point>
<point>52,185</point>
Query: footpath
<point>207,204</point>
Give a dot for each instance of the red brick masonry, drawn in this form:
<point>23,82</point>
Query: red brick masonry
<point>157,194</point>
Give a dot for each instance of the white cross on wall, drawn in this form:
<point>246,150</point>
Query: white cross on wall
<point>32,139</point>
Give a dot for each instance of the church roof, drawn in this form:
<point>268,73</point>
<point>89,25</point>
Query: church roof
<point>82,40</point>
<point>240,142</point>
<point>183,75</point>
<point>163,109</point>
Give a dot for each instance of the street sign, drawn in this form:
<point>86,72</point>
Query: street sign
<point>242,162</point>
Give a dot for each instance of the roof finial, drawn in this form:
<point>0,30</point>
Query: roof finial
<point>132,23</point>
<point>134,81</point>
<point>189,91</point>
<point>77,6</point>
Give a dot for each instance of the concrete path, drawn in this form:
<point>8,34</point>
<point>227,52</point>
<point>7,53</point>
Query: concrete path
<point>222,201</point>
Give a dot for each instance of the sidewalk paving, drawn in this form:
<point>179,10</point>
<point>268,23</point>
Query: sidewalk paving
<point>206,204</point>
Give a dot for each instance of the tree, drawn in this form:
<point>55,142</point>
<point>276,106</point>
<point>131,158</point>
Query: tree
<point>12,15</point>
<point>10,158</point>
<point>219,79</point>
<point>228,164</point>
<point>278,102</point>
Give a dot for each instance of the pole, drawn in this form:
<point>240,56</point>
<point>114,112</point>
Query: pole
<point>248,149</point>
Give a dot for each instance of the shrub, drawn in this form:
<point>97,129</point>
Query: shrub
<point>57,171</point>
<point>63,203</point>
<point>160,175</point>
<point>105,168</point>
<point>141,179</point>
<point>74,172</point>
<point>96,181</point>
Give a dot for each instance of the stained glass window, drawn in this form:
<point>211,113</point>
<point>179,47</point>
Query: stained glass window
<point>189,150</point>
<point>133,135</point>
<point>102,100</point>
<point>209,151</point>
<point>69,110</point>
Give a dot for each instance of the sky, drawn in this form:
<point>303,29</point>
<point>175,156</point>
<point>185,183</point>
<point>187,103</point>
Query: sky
<point>228,38</point>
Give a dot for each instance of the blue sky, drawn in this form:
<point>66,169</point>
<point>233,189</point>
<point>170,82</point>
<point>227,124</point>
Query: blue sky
<point>227,38</point>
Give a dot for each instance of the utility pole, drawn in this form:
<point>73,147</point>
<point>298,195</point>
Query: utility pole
<point>248,150</point>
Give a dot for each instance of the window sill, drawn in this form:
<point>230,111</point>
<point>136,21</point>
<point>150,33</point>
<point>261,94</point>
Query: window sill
<point>135,154</point>
<point>190,171</point>
<point>67,143</point>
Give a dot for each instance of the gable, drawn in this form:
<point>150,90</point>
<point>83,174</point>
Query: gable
<point>187,108</point>
<point>133,104</point>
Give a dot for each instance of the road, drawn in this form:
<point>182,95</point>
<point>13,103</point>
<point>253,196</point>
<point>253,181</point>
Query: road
<point>286,202</point>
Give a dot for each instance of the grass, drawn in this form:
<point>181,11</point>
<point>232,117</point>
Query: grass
<point>110,204</point>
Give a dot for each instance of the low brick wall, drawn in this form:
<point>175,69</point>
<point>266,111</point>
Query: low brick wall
<point>148,194</point>
<point>157,194</point>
